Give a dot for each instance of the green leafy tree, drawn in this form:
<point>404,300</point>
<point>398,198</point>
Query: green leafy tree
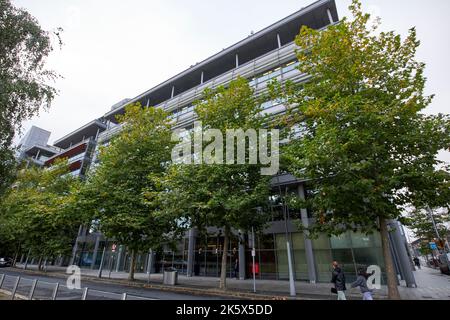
<point>37,211</point>
<point>127,183</point>
<point>364,143</point>
<point>218,195</point>
<point>421,223</point>
<point>24,87</point>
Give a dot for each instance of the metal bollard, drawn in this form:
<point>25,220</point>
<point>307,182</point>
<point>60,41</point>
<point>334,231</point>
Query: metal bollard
<point>124,296</point>
<point>55,291</point>
<point>1,280</point>
<point>33,287</point>
<point>85,293</point>
<point>13,292</point>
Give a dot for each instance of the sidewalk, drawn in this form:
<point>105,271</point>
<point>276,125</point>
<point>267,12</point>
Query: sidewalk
<point>265,289</point>
<point>431,284</point>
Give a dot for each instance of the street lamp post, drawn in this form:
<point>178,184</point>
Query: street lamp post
<point>253,260</point>
<point>289,254</point>
<point>289,251</point>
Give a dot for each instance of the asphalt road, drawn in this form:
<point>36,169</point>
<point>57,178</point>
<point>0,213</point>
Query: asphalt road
<point>97,291</point>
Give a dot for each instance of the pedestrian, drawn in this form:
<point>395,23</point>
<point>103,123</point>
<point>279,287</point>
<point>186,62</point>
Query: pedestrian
<point>417,262</point>
<point>361,282</point>
<point>236,268</point>
<point>338,278</point>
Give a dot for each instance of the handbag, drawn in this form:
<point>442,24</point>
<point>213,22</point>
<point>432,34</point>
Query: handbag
<point>333,290</point>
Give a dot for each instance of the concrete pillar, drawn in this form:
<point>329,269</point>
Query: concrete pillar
<point>150,264</point>
<point>312,272</point>
<point>173,91</point>
<point>191,252</point>
<point>237,60</point>
<point>119,257</point>
<point>94,255</point>
<point>242,257</point>
<point>399,244</point>
<point>201,78</point>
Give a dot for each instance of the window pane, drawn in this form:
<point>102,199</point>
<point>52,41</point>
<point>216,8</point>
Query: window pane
<point>341,241</point>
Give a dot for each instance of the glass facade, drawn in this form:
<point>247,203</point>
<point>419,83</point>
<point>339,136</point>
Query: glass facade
<point>351,249</point>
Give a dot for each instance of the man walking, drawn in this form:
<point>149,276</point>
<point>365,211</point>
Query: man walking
<point>417,262</point>
<point>338,278</point>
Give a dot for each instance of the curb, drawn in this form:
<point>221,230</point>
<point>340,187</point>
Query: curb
<point>16,296</point>
<point>213,292</point>
<point>175,289</point>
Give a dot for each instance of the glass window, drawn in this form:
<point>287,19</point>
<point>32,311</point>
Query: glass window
<point>298,240</point>
<point>323,257</point>
<point>361,240</point>
<point>345,259</point>
<point>341,241</point>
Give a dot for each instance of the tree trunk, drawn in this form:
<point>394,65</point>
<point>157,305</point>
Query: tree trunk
<point>132,265</point>
<point>16,255</point>
<point>40,263</point>
<point>26,261</point>
<point>223,270</point>
<point>393,293</point>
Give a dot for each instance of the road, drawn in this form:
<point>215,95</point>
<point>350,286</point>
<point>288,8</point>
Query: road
<point>97,291</point>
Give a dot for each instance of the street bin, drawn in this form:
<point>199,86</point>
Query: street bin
<point>170,277</point>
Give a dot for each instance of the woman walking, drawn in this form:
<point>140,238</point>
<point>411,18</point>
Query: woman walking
<point>361,282</point>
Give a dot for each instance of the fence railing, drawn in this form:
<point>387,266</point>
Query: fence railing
<point>34,289</point>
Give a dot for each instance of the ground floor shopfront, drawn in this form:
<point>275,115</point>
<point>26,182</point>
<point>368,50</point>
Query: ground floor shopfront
<point>200,254</point>
<point>351,250</point>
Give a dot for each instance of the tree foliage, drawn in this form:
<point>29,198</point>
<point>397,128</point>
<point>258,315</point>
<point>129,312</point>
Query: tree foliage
<point>421,223</point>
<point>222,195</point>
<point>37,212</point>
<point>365,145</point>
<point>24,88</point>
<point>125,186</point>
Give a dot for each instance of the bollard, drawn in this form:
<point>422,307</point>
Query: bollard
<point>55,291</point>
<point>124,296</point>
<point>13,292</point>
<point>1,280</point>
<point>33,287</point>
<point>85,293</point>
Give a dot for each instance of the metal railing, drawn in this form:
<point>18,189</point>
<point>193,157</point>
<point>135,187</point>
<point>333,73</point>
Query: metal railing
<point>33,289</point>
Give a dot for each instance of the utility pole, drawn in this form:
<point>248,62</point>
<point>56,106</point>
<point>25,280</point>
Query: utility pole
<point>430,212</point>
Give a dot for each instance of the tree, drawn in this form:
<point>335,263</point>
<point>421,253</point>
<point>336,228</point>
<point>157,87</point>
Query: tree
<point>24,87</point>
<point>421,223</point>
<point>36,212</point>
<point>365,145</point>
<point>226,196</point>
<point>127,183</point>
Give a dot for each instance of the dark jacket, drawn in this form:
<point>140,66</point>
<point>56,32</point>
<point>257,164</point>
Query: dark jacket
<point>361,282</point>
<point>338,278</point>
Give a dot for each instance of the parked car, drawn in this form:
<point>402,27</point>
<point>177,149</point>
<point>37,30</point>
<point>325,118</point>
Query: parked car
<point>5,262</point>
<point>444,263</point>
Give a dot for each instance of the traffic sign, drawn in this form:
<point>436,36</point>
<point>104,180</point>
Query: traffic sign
<point>433,246</point>
<point>113,248</point>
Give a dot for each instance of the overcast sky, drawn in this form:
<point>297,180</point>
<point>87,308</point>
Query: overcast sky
<point>115,49</point>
